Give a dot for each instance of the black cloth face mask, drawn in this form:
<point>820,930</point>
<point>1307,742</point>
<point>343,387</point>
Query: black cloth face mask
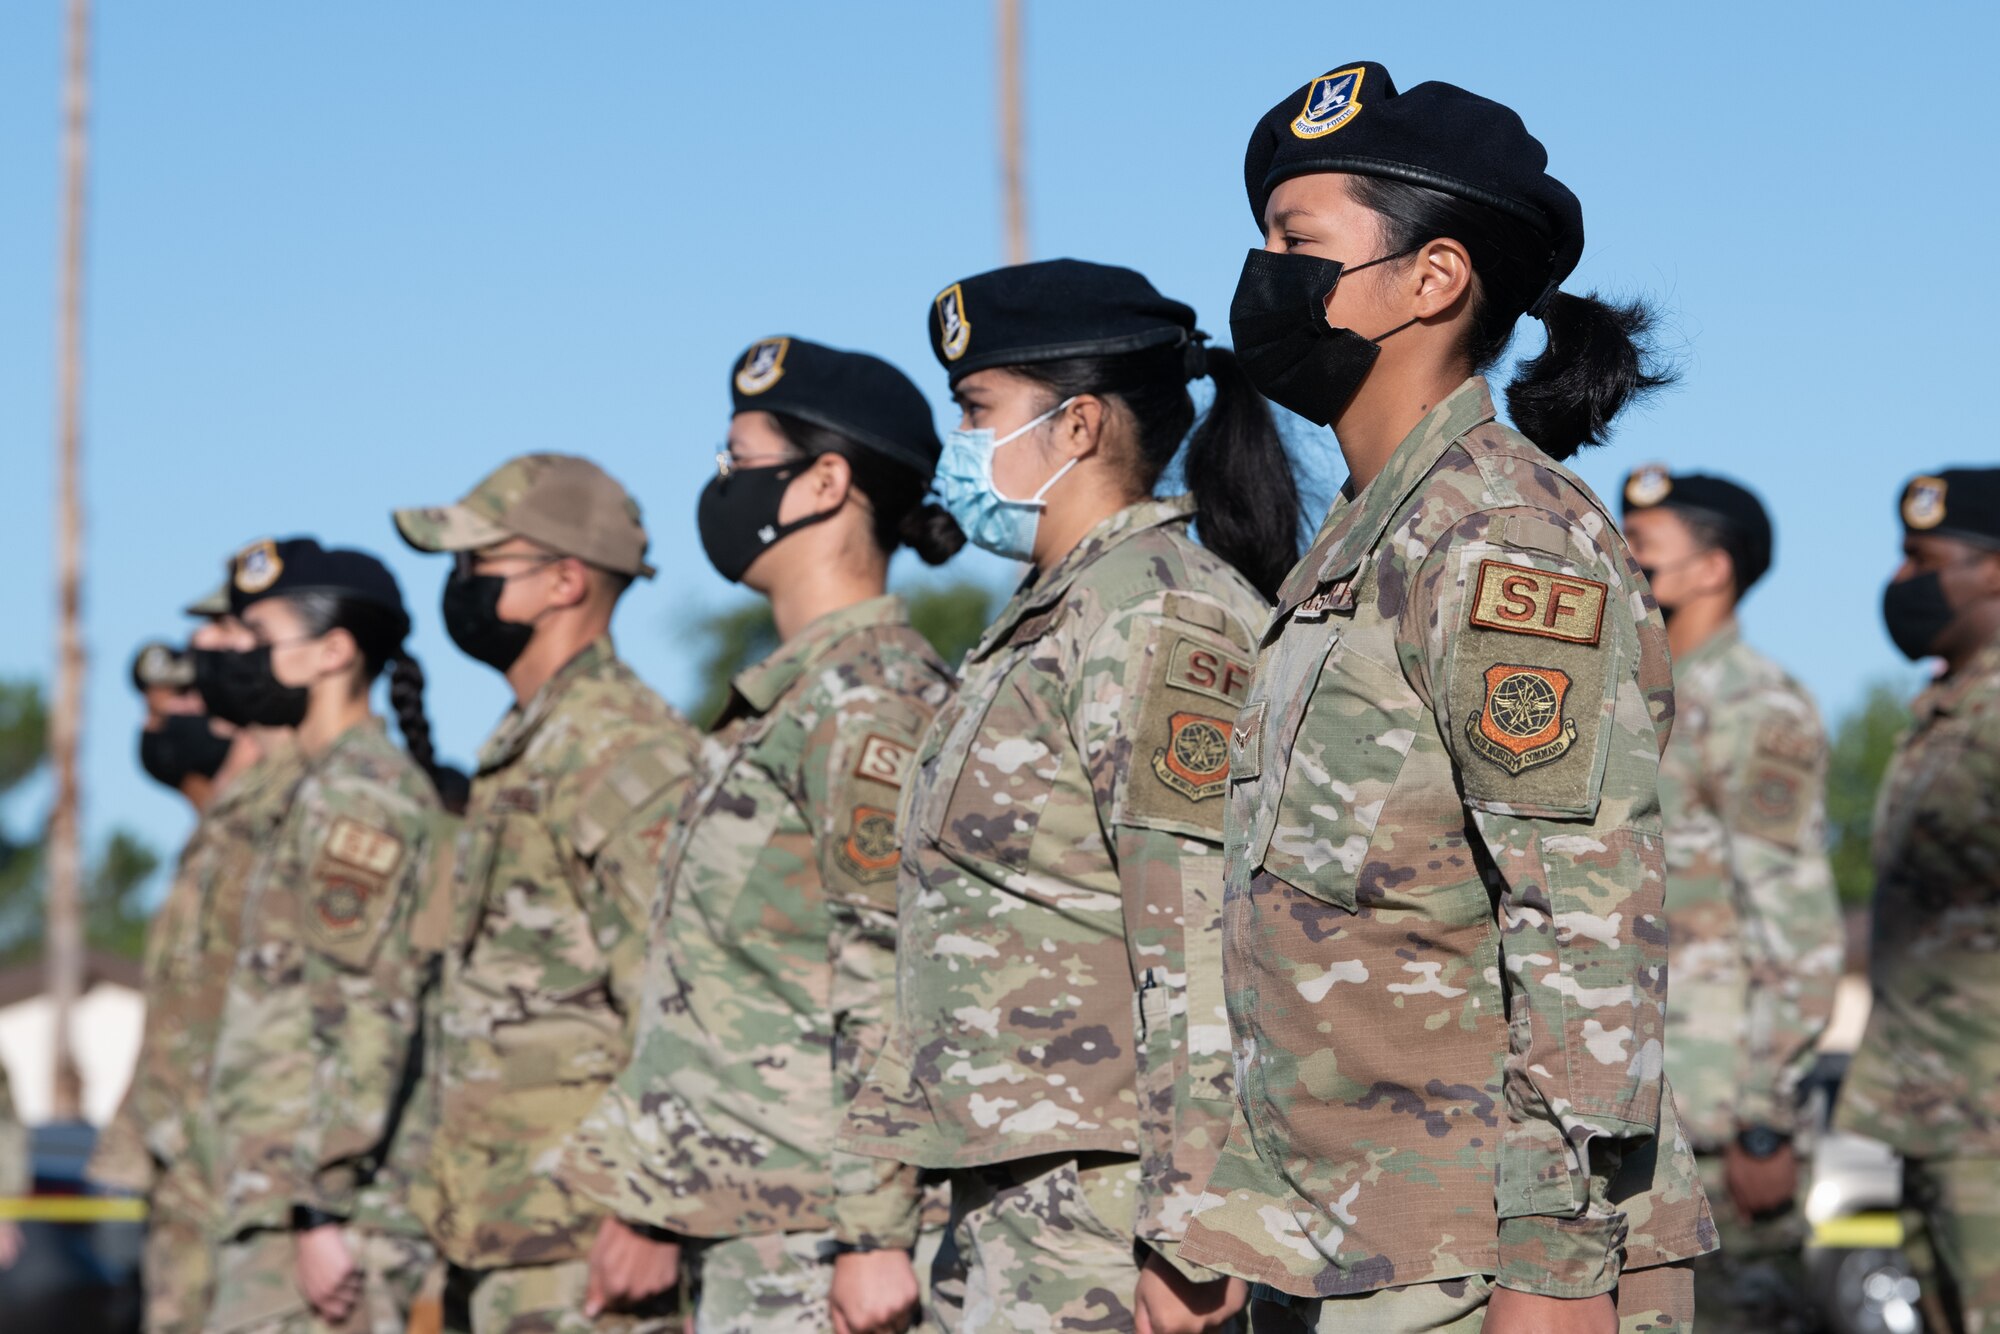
<point>738,516</point>
<point>184,745</point>
<point>1277,321</point>
<point>472,619</point>
<point>241,688</point>
<point>1916,613</point>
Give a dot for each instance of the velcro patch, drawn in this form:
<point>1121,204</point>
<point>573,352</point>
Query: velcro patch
<point>1195,760</point>
<point>1207,670</point>
<point>871,850</point>
<point>1521,723</point>
<point>884,761</point>
<point>1526,601</point>
<point>368,850</point>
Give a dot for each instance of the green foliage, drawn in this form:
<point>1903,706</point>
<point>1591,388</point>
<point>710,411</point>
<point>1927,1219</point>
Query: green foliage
<point>1863,742</point>
<point>952,616</point>
<point>114,918</point>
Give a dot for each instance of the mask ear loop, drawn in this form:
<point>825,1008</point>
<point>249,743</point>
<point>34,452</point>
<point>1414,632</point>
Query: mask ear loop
<point>1016,434</point>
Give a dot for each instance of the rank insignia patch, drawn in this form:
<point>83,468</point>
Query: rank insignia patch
<point>1524,601</point>
<point>954,329</point>
<point>1521,723</point>
<point>870,849</point>
<point>1648,485</point>
<point>1195,760</point>
<point>1923,503</point>
<point>1332,101</point>
<point>258,567</point>
<point>763,366</point>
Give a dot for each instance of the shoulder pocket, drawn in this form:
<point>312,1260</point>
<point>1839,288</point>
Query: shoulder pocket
<point>353,888</point>
<point>1177,772</point>
<point>860,842</point>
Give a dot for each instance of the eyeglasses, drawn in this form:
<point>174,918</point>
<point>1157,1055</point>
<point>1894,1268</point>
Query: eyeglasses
<point>727,463</point>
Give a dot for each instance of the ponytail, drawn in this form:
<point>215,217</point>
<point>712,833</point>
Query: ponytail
<point>1598,359</point>
<point>1241,476</point>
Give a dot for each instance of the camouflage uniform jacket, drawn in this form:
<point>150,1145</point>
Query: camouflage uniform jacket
<point>772,969</point>
<point>1927,1076</point>
<point>313,1064</point>
<point>16,1176</point>
<point>557,870</point>
<point>1442,930</point>
<point>1059,988</point>
<point>184,1006</point>
<point>1756,932</point>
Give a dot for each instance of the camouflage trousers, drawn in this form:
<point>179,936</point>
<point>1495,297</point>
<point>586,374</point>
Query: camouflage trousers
<point>1650,1301</point>
<point>1756,1284</point>
<point>257,1291</point>
<point>774,1283</point>
<point>1041,1245</point>
<point>178,1262</point>
<point>1959,1199</point>
<point>543,1299</point>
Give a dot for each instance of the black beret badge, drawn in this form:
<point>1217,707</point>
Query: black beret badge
<point>763,366</point>
<point>258,567</point>
<point>1332,101</point>
<point>954,329</point>
<point>1923,503</point>
<point>1648,486</point>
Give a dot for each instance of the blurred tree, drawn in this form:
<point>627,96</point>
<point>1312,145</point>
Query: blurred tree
<point>1863,742</point>
<point>114,916</point>
<point>952,616</point>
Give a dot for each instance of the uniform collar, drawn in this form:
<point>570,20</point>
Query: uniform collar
<point>1981,675</point>
<point>523,721</point>
<point>363,735</point>
<point>756,689</point>
<point>1038,593</point>
<point>1356,525</point>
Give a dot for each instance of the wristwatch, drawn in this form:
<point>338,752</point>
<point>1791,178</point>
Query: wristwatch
<point>1762,1141</point>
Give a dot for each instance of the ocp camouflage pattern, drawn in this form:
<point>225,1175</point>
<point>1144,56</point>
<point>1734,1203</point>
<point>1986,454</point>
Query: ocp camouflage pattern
<point>1059,989</point>
<point>1757,943</point>
<point>771,976</point>
<point>1442,935</point>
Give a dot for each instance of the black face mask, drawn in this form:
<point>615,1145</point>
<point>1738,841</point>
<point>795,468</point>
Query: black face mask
<point>472,619</point>
<point>1916,613</point>
<point>184,745</point>
<point>240,688</point>
<point>738,516</point>
<point>1277,321</point>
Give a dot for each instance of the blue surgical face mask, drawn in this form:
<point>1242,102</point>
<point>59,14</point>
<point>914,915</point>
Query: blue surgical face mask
<point>964,483</point>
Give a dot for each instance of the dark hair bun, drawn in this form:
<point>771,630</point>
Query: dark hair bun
<point>932,533</point>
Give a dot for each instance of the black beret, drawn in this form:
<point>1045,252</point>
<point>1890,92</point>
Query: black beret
<point>273,568</point>
<point>1351,119</point>
<point>161,666</point>
<point>1958,502</point>
<point>863,398</point>
<point>1053,310</point>
<point>1732,507</point>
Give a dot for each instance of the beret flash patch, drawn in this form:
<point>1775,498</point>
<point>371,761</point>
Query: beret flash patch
<point>1923,503</point>
<point>1648,485</point>
<point>257,567</point>
<point>954,329</point>
<point>1332,101</point>
<point>763,366</point>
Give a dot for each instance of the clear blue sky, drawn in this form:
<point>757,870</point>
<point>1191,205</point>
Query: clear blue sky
<point>350,256</point>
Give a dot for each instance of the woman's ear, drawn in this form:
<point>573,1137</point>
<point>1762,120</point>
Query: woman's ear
<point>1440,277</point>
<point>338,652</point>
<point>830,479</point>
<point>1080,427</point>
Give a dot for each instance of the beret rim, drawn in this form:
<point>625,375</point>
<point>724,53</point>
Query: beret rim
<point>1369,166</point>
<point>870,440</point>
<point>1093,347</point>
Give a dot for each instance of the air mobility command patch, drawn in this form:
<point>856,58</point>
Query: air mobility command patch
<point>1332,101</point>
<point>870,849</point>
<point>861,846</point>
<point>1195,686</point>
<point>763,366</point>
<point>1195,760</point>
<point>1777,791</point>
<point>1521,723</point>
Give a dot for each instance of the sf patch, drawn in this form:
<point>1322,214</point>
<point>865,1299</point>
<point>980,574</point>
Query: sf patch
<point>1195,760</point>
<point>884,760</point>
<point>1525,601</point>
<point>871,851</point>
<point>1332,101</point>
<point>370,851</point>
<point>1521,723</point>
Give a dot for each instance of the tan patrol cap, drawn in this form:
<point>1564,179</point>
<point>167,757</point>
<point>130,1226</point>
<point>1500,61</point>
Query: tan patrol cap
<point>565,503</point>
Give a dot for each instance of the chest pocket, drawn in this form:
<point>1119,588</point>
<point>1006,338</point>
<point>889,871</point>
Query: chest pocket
<point>751,840</point>
<point>1009,753</point>
<point>1334,742</point>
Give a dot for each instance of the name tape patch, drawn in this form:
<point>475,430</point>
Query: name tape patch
<point>1524,601</point>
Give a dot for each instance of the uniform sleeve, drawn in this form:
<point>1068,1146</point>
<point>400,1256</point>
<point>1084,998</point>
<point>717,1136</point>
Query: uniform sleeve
<point>857,765</point>
<point>16,1175</point>
<point>1532,658</point>
<point>364,977</point>
<point>621,832</point>
<point>1153,706</point>
<point>1772,755</point>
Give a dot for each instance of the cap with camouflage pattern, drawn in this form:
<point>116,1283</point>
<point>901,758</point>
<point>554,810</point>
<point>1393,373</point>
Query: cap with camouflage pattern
<point>565,503</point>
<point>211,604</point>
